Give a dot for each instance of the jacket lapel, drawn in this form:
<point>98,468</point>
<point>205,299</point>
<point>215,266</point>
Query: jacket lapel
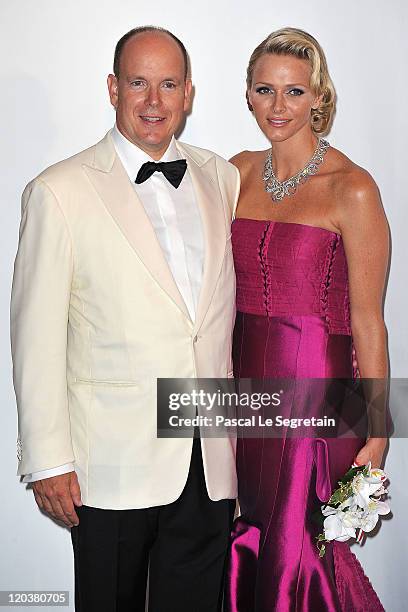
<point>111,182</point>
<point>203,172</point>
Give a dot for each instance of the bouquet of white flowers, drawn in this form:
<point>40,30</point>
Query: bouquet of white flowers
<point>354,508</point>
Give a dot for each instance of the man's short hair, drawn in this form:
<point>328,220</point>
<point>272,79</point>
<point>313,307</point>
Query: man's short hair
<point>134,32</point>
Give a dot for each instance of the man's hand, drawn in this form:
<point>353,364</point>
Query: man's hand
<point>58,496</point>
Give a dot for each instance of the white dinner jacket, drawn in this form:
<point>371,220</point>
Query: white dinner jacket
<point>96,318</point>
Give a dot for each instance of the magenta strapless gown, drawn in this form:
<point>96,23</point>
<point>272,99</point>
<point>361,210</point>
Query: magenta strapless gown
<point>293,321</point>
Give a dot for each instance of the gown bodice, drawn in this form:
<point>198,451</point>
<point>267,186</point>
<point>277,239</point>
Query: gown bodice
<point>290,269</point>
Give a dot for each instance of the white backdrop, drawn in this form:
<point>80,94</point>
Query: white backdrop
<point>54,103</point>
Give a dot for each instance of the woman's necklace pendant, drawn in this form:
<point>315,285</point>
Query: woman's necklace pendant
<point>278,189</point>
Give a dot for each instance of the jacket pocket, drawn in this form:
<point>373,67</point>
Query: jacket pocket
<point>107,383</point>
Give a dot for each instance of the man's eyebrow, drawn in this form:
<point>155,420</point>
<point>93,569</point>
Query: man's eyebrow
<point>136,78</point>
<point>143,78</point>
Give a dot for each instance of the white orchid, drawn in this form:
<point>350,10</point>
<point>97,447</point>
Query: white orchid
<point>366,484</point>
<point>371,514</point>
<point>383,508</point>
<point>354,508</point>
<point>341,522</point>
<point>337,525</point>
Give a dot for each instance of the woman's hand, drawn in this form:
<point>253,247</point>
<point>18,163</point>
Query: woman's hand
<point>373,451</point>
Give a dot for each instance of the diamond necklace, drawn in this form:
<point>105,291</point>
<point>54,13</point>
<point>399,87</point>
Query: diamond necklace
<point>278,189</point>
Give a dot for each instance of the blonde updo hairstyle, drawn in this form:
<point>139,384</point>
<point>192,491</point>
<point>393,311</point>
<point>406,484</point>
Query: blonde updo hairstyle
<point>292,41</point>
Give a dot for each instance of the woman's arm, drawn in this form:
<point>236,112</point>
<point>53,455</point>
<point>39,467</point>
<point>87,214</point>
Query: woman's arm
<point>366,241</point>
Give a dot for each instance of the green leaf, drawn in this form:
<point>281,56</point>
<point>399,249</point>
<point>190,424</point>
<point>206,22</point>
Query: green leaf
<point>348,476</point>
<point>322,551</point>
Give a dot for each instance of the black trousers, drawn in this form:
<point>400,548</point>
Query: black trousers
<point>181,545</point>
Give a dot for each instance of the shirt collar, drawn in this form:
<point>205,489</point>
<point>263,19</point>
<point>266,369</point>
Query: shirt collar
<point>132,157</point>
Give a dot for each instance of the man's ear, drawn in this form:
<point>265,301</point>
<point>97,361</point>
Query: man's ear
<point>188,87</point>
<point>113,89</point>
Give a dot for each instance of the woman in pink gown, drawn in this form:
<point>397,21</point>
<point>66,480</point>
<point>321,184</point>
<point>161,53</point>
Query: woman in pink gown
<point>310,243</point>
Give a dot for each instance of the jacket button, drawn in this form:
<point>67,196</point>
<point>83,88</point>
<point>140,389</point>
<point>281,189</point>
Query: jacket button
<point>195,338</point>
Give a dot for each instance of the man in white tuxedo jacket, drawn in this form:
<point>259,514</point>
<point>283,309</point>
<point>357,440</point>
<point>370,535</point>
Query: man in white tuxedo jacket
<point>118,283</point>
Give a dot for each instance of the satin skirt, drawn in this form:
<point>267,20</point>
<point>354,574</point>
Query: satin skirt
<point>274,560</point>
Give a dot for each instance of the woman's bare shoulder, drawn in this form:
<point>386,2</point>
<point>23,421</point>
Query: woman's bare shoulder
<point>349,180</point>
<point>352,180</point>
<point>246,160</point>
<point>358,200</point>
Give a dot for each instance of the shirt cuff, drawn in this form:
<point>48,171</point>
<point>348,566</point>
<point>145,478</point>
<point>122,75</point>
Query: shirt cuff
<point>57,471</point>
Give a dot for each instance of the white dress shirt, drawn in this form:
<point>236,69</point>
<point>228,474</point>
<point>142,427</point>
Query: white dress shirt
<point>175,217</point>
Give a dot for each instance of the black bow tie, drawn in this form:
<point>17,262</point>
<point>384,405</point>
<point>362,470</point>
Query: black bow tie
<point>173,171</point>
